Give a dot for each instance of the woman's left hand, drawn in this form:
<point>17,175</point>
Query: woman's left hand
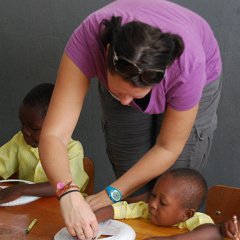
<point>99,200</point>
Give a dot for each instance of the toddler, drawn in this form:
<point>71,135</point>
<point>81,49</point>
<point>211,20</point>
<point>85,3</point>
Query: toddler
<point>20,155</point>
<point>175,200</point>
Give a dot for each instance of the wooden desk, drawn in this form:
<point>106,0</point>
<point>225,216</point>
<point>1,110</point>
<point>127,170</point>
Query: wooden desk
<point>14,220</point>
<point>144,229</point>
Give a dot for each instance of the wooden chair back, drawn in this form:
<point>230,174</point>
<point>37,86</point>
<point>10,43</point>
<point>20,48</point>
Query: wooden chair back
<point>90,170</point>
<point>222,202</point>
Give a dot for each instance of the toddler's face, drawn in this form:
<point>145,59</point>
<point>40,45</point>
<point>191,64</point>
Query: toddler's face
<point>165,208</point>
<point>31,120</point>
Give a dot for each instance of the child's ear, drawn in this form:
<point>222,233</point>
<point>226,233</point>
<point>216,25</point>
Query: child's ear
<point>188,213</point>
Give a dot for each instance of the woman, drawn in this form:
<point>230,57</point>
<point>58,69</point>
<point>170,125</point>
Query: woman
<point>156,62</point>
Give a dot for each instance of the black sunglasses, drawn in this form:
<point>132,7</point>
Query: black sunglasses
<point>129,69</point>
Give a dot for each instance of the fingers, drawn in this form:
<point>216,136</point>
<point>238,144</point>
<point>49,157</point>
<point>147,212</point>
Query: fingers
<point>229,229</point>
<point>88,233</point>
<point>86,230</point>
<point>95,228</point>
<point>78,217</point>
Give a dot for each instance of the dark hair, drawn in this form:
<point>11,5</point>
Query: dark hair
<point>39,97</point>
<point>146,46</point>
<point>193,186</point>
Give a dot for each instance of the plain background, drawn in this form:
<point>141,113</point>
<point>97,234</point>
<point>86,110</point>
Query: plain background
<point>33,34</point>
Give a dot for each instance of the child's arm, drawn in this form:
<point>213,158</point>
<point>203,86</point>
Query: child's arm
<point>205,231</point>
<point>38,189</point>
<point>104,214</point>
<point>122,210</point>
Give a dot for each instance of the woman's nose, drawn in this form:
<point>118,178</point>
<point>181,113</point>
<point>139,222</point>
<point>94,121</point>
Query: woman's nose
<point>125,99</point>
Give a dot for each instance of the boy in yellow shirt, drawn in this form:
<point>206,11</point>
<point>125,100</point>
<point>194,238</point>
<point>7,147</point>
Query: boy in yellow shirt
<point>174,201</point>
<point>21,155</point>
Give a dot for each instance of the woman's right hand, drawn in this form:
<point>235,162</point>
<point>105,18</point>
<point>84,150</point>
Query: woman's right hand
<point>78,216</point>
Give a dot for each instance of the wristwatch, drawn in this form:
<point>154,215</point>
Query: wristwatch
<point>114,194</point>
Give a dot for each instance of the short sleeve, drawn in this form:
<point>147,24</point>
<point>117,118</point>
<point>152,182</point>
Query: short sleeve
<point>9,157</point>
<point>83,47</point>
<point>187,91</point>
<point>123,210</point>
<point>195,221</point>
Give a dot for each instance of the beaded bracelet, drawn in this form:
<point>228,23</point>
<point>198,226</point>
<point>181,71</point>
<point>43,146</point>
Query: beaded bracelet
<point>64,188</point>
<point>65,193</point>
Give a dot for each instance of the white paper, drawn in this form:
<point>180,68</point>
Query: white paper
<point>19,201</point>
<point>117,231</point>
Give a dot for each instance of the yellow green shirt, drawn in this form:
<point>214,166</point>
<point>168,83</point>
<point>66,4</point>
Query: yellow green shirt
<point>123,210</point>
<point>17,156</point>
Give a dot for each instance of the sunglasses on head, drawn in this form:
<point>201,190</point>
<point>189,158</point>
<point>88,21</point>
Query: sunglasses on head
<point>129,69</point>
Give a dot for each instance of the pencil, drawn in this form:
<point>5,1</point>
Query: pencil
<point>235,221</point>
<point>31,225</point>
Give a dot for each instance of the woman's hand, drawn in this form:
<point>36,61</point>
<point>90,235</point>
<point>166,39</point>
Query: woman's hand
<point>78,216</point>
<point>99,200</point>
<point>11,193</point>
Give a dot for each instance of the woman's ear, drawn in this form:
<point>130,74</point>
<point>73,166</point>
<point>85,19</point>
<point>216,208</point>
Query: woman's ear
<point>188,213</point>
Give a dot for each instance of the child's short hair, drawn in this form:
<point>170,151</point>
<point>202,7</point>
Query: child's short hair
<point>39,97</point>
<point>193,186</point>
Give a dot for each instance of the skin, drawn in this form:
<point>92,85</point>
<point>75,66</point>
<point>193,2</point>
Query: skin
<point>31,124</point>
<point>229,230</point>
<point>31,121</point>
<point>166,209</point>
<point>64,110</point>
<point>125,91</point>
<point>165,204</point>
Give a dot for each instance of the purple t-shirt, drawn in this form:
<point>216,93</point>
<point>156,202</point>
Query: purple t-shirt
<point>182,87</point>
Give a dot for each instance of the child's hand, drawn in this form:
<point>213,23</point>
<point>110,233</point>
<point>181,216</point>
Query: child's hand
<point>10,193</point>
<point>228,229</point>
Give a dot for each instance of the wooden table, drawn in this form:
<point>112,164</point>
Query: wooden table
<point>14,220</point>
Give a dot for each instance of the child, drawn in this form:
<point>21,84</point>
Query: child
<point>20,154</point>
<point>174,201</point>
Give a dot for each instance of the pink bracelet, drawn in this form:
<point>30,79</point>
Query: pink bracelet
<point>62,188</point>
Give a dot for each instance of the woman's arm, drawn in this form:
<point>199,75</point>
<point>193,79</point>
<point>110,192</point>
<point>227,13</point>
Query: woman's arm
<point>62,116</point>
<point>63,113</point>
<point>174,133</point>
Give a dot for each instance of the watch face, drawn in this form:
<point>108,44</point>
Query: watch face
<point>116,195</point>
